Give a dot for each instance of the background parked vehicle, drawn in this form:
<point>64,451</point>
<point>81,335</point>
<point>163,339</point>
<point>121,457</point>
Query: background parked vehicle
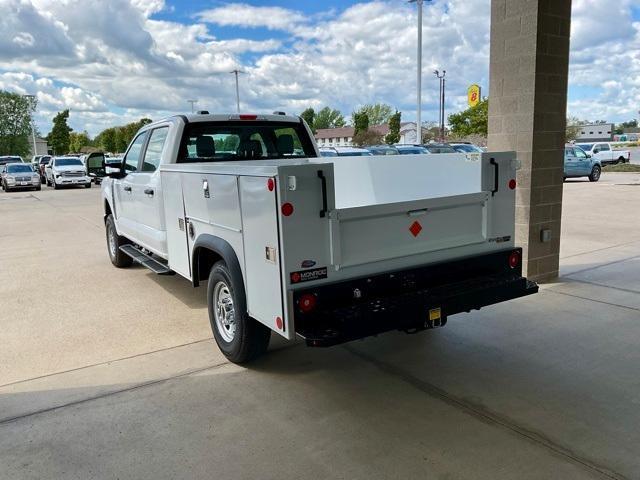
<point>411,149</point>
<point>344,152</point>
<point>439,148</point>
<point>577,163</point>
<point>42,163</point>
<point>466,147</point>
<point>383,150</point>
<point>605,153</point>
<point>10,159</point>
<point>62,171</point>
<point>19,175</point>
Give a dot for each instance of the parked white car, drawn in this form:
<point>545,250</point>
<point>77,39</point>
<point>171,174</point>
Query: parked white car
<point>66,171</point>
<point>604,152</point>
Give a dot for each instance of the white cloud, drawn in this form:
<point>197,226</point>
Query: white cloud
<point>98,58</point>
<point>245,15</point>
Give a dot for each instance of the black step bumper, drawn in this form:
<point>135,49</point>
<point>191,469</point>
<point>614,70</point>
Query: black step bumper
<point>403,300</point>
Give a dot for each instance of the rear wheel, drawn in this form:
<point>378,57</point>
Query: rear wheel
<point>595,174</point>
<point>622,160</point>
<point>114,242</point>
<point>239,337</point>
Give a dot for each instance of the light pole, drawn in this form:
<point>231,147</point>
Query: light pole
<point>192,102</point>
<point>419,79</point>
<point>30,99</point>
<point>442,97</point>
<point>237,72</point>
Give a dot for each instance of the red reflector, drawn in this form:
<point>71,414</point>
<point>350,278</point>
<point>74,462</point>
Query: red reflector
<point>245,116</point>
<point>279,323</point>
<point>287,209</point>
<point>512,184</point>
<point>415,228</point>
<point>514,259</point>
<point>307,302</point>
<point>271,184</point>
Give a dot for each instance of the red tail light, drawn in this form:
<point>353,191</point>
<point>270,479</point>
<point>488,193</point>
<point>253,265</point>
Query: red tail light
<point>514,259</point>
<point>307,302</point>
<point>287,209</point>
<point>271,184</point>
<point>512,184</point>
<point>246,116</point>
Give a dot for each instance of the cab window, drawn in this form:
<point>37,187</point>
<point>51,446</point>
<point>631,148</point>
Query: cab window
<point>132,158</point>
<point>579,153</point>
<point>153,154</point>
<point>603,147</point>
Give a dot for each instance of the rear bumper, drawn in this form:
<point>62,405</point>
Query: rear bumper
<point>403,300</point>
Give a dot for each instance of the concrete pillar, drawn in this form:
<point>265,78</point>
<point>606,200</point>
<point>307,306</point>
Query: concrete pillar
<point>527,113</point>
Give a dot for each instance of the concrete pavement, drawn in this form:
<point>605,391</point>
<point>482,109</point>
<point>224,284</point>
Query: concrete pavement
<point>542,387</point>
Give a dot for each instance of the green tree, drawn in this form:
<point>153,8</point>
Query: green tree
<point>366,137</point>
<point>360,122</point>
<point>378,113</point>
<point>78,140</point>
<point>472,121</point>
<point>309,116</point>
<point>328,118</point>
<point>59,136</point>
<point>15,123</point>
<point>394,129</point>
<point>106,140</point>
<point>573,128</point>
<point>619,130</point>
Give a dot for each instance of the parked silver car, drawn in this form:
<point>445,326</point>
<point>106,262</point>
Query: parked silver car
<point>19,175</point>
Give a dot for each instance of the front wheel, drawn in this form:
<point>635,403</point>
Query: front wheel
<point>88,185</point>
<point>114,242</point>
<point>595,174</point>
<point>239,337</point>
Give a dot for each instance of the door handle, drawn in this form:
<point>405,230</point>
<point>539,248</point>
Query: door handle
<point>148,191</point>
<point>127,188</point>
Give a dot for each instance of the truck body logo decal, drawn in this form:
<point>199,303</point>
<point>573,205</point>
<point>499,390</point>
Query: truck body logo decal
<point>415,228</point>
<point>308,264</point>
<point>309,275</point>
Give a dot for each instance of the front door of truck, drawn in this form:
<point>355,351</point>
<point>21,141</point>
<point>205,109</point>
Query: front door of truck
<point>147,195</point>
<point>123,189</point>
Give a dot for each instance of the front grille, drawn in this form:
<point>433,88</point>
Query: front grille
<point>72,174</point>
<point>23,179</point>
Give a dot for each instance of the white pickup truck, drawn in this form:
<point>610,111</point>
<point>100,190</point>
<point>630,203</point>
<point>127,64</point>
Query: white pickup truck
<point>605,153</point>
<point>326,249</point>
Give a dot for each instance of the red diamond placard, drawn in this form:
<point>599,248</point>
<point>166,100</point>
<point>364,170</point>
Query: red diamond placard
<point>415,228</point>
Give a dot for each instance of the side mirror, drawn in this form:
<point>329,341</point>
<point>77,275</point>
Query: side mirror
<point>596,151</point>
<point>588,155</point>
<point>113,170</point>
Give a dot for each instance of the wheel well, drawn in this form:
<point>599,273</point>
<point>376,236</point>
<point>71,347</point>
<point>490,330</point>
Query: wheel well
<point>204,259</point>
<point>107,210</point>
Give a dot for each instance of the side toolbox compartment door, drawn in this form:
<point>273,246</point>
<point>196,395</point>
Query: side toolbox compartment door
<point>261,254</point>
<point>177,247</point>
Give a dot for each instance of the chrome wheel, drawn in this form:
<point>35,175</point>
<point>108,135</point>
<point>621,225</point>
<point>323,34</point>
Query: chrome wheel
<point>113,242</point>
<point>224,312</point>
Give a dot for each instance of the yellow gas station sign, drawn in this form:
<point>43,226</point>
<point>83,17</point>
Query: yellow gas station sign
<point>473,95</point>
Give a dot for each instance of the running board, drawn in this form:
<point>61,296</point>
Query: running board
<point>146,260</point>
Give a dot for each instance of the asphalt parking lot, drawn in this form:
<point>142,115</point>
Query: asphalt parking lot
<point>108,373</point>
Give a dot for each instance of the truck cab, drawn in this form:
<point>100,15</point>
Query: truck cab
<point>325,249</point>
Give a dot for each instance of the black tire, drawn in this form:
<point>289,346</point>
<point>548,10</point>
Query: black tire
<point>621,160</point>
<point>54,184</point>
<point>48,182</point>
<point>117,257</point>
<point>88,185</point>
<point>595,174</point>
<point>38,188</point>
<point>250,338</point>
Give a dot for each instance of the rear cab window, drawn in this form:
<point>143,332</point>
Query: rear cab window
<point>244,140</point>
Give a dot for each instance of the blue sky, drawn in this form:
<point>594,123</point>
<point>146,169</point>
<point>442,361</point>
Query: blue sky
<point>153,55</point>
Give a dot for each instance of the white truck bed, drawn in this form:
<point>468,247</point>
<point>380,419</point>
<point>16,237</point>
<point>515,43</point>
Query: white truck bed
<point>377,215</point>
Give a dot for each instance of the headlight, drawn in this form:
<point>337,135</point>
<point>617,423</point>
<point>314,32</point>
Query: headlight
<point>35,178</point>
<point>11,179</point>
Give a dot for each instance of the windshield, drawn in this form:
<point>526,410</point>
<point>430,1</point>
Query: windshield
<point>586,146</point>
<point>5,160</point>
<point>244,140</point>
<point>44,160</point>
<point>19,168</point>
<point>467,148</point>
<point>328,153</point>
<point>440,149</point>
<point>412,151</point>
<point>68,162</point>
<point>354,154</point>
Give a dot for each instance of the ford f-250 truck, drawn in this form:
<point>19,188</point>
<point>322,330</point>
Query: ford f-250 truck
<point>326,249</point>
<point>605,153</point>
